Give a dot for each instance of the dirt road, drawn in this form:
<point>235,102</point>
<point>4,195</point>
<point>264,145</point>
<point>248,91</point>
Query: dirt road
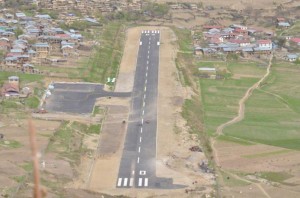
<point>238,118</point>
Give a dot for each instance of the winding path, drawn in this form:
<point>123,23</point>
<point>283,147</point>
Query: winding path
<point>238,118</point>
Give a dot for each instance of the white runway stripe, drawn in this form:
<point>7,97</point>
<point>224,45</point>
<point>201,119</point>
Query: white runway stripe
<point>146,182</point>
<point>140,182</point>
<point>125,181</point>
<point>119,182</point>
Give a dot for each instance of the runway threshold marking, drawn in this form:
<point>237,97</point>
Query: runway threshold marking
<point>140,182</point>
<point>125,181</point>
<point>146,182</point>
<point>119,182</point>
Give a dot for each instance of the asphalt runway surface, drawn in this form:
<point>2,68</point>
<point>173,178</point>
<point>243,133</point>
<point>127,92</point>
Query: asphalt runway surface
<point>138,163</point>
<point>78,98</point>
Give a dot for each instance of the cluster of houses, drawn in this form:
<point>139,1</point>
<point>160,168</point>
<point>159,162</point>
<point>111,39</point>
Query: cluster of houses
<point>234,39</point>
<point>27,41</point>
<point>87,6</point>
<point>238,39</point>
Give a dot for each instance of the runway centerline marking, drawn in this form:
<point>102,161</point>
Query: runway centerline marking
<point>148,51</point>
<point>141,130</point>
<point>143,112</point>
<point>140,139</point>
<point>138,160</point>
<point>147,69</point>
<point>145,89</point>
<point>139,149</point>
<point>146,82</point>
<point>144,96</point>
<point>142,120</point>
<point>148,57</point>
<point>146,74</point>
<point>147,62</point>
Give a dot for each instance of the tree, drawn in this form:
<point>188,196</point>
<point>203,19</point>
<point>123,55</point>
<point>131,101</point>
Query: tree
<point>18,31</point>
<point>281,42</point>
<point>157,10</point>
<point>2,55</point>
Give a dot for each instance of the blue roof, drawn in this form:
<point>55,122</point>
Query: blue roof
<point>285,24</point>
<point>91,20</point>
<point>262,48</point>
<point>43,16</point>
<point>248,49</point>
<point>16,51</point>
<point>230,49</point>
<point>13,58</point>
<point>292,56</point>
<point>41,45</point>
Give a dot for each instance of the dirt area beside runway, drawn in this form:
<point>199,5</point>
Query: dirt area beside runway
<point>15,152</point>
<point>254,161</point>
<point>174,160</point>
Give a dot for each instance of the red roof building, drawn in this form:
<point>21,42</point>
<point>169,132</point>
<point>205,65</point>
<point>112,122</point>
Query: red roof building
<point>295,40</point>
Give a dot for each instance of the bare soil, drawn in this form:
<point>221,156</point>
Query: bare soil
<point>14,158</point>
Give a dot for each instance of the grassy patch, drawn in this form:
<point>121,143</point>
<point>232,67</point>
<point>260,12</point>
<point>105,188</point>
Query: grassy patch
<point>9,104</point>
<point>32,102</point>
<point>231,181</point>
<point>184,37</point>
<point>86,129</point>
<point>27,166</point>
<point>235,140</point>
<point>192,112</point>
<point>275,176</point>
<point>10,144</point>
<point>19,179</point>
<point>24,78</point>
<point>267,154</point>
<point>98,110</point>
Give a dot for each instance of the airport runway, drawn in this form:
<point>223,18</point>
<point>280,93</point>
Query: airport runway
<point>138,163</point>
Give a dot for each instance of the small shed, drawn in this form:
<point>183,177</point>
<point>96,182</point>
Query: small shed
<point>207,72</point>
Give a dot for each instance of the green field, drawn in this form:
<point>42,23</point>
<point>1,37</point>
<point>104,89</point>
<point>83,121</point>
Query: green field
<point>106,58</point>
<point>273,112</point>
<point>220,97</point>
